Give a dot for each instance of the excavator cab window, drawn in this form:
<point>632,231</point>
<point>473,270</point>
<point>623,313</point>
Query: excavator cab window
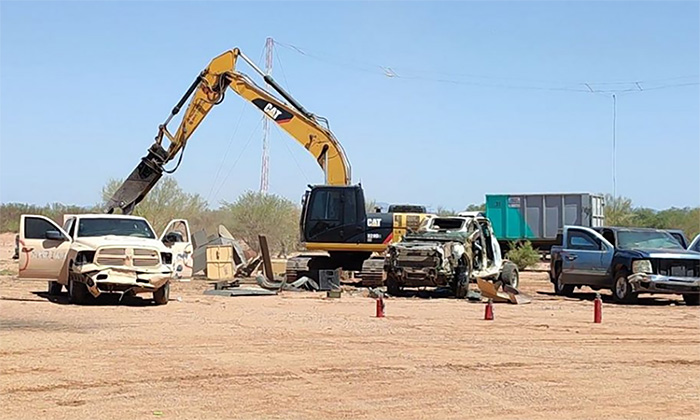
<point>333,213</point>
<point>326,206</point>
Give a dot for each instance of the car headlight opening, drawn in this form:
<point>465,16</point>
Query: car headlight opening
<point>642,266</point>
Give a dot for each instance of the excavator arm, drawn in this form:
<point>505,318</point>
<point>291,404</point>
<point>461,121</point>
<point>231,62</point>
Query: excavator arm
<point>209,89</point>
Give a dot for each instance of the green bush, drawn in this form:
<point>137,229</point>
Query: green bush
<point>523,254</point>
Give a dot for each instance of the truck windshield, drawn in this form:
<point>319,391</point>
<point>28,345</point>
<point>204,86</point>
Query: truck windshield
<point>117,227</point>
<point>630,239</point>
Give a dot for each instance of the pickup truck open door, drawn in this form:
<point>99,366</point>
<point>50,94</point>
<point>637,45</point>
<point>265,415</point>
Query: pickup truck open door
<point>178,237</point>
<point>586,256</point>
<point>43,248</point>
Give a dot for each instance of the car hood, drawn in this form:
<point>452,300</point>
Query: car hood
<point>113,240</point>
<point>415,245</point>
<point>434,237</point>
<point>662,253</point>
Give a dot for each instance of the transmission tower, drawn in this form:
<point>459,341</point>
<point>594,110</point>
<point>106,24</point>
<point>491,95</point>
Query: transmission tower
<point>265,169</point>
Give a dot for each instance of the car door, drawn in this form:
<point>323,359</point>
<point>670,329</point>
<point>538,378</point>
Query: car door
<point>586,257</point>
<point>695,245</point>
<point>177,237</point>
<point>43,248</point>
<point>493,241</point>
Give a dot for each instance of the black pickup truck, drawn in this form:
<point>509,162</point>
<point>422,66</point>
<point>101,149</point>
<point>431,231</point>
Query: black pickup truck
<point>628,261</point>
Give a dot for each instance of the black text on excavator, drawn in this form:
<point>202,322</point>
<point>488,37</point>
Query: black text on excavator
<point>333,217</point>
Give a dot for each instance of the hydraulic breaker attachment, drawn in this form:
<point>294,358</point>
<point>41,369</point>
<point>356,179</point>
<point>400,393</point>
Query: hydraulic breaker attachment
<point>140,182</point>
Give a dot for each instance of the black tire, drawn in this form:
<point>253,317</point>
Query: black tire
<point>162,295</point>
<point>461,282</point>
<point>563,289</point>
<point>509,274</point>
<point>78,292</point>
<point>55,288</point>
<point>392,285</point>
<point>691,299</point>
<point>621,288</point>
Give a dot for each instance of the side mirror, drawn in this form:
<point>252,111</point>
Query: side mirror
<point>55,235</point>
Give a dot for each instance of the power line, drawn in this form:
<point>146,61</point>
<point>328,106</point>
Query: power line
<point>279,130</point>
<point>235,162</point>
<point>582,87</point>
<point>228,148</point>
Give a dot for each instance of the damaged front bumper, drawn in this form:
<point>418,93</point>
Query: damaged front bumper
<point>656,283</point>
<point>109,280</point>
<point>419,277</point>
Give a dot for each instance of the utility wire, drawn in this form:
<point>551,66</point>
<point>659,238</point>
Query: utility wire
<point>292,155</point>
<point>585,87</point>
<point>228,148</point>
<point>284,76</point>
<point>235,162</point>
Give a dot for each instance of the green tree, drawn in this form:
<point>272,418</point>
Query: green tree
<point>618,211</point>
<point>476,207</point>
<point>11,212</point>
<point>686,219</point>
<point>645,217</point>
<point>445,212</point>
<point>255,213</point>
<point>166,201</point>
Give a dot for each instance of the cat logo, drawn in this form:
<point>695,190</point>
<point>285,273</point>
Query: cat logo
<point>276,112</point>
<point>272,111</point>
<point>374,222</point>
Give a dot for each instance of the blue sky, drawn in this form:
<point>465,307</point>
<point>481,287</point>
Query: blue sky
<point>489,98</point>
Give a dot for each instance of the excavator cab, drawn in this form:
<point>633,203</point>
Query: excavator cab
<point>333,214</point>
<point>334,219</point>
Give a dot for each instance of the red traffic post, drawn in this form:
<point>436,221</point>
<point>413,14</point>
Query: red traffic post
<point>488,314</point>
<point>597,309</point>
<point>380,307</point>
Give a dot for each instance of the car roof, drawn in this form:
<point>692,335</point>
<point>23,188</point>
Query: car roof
<point>107,216</point>
<point>641,229</point>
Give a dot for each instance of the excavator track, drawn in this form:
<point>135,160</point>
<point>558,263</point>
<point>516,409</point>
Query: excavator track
<point>372,273</point>
<point>309,265</point>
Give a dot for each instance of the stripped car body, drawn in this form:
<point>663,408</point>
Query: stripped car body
<point>96,253</point>
<point>448,251</point>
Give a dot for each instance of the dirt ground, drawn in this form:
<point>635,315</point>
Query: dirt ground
<point>303,356</point>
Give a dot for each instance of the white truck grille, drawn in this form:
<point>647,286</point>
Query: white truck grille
<point>128,257</point>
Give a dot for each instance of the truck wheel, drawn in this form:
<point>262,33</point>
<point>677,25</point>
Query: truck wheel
<point>162,295</point>
<point>563,289</point>
<point>55,288</point>
<point>622,290</point>
<point>392,285</point>
<point>691,299</point>
<point>509,274</point>
<point>461,285</point>
<point>78,292</point>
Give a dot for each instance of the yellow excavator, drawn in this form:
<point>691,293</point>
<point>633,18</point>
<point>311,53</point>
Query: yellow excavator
<point>333,217</point>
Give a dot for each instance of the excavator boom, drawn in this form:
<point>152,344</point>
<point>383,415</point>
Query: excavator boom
<point>208,90</point>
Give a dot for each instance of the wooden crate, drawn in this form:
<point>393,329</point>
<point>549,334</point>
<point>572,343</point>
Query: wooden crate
<point>220,262</point>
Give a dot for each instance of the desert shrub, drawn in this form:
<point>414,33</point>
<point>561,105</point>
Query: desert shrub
<point>255,213</point>
<point>523,254</point>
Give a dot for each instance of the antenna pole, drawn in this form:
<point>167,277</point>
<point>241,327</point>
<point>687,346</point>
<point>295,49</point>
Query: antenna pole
<point>265,169</point>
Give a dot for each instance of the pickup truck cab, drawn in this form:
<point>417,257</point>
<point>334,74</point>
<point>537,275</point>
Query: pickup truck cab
<point>103,253</point>
<point>628,261</point>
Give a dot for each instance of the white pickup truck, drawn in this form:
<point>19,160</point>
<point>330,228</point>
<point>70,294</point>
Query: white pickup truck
<point>103,253</point>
